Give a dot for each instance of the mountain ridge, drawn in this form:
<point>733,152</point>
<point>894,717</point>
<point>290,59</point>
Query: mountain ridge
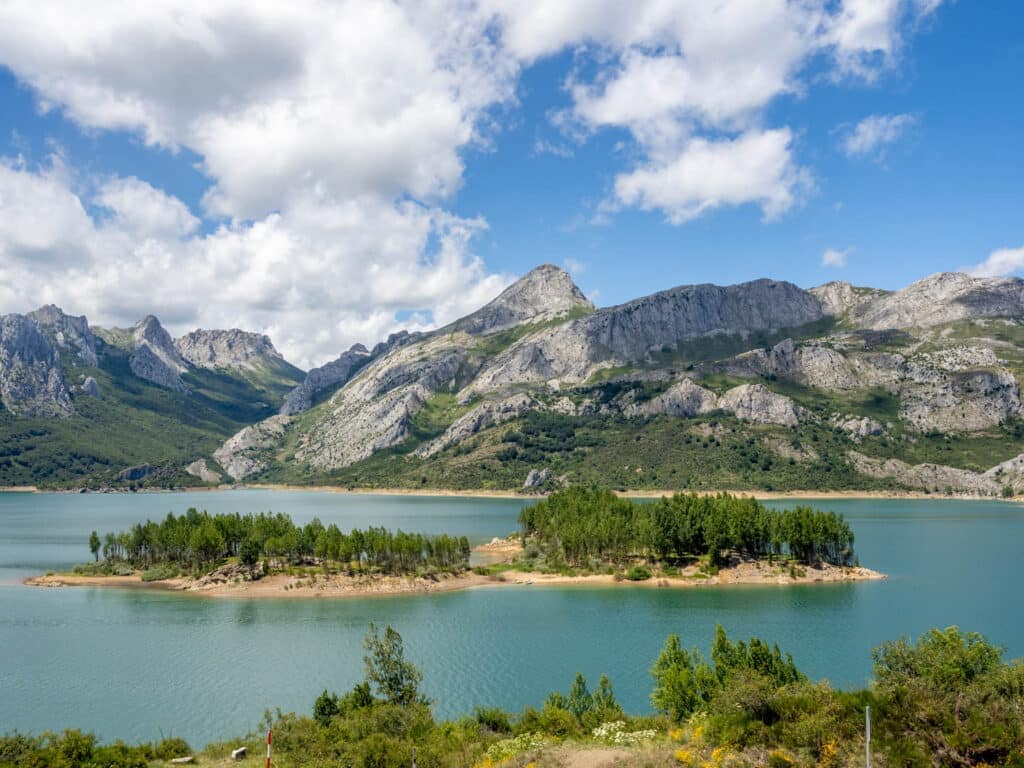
<point>885,372</point>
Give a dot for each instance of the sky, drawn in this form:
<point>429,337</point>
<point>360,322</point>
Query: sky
<point>330,172</point>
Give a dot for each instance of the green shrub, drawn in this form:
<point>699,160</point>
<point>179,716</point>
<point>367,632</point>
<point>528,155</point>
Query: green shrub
<point>160,572</point>
<point>168,749</point>
<point>494,719</point>
<point>638,573</point>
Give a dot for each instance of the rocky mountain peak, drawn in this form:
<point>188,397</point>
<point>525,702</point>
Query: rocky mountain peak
<point>31,379</point>
<point>232,348</point>
<point>541,294</point>
<point>154,356</point>
<point>943,298</point>
<point>67,331</point>
<point>327,376</point>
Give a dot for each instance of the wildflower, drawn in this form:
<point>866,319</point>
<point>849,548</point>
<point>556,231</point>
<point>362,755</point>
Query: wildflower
<point>687,757</point>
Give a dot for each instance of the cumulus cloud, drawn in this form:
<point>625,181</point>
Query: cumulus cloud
<point>145,211</point>
<point>754,168</point>
<point>834,258</point>
<point>315,282</point>
<point>1001,262</point>
<point>691,80</point>
<point>867,36</point>
<point>872,134</point>
<point>334,136</point>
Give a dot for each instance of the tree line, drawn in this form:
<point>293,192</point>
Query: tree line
<point>584,523</point>
<point>199,540</point>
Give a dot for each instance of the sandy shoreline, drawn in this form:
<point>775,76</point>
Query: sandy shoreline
<point>342,586</point>
<point>492,494</point>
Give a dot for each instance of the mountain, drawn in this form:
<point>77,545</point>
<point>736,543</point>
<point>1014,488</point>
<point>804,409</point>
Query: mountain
<point>761,385</point>
<point>112,406</point>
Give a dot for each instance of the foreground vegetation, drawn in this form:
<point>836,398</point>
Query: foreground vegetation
<point>948,699</point>
<point>581,524</point>
<point>197,542</point>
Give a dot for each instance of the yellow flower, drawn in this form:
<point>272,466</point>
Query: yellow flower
<point>828,755</point>
<point>676,734</point>
<point>688,758</point>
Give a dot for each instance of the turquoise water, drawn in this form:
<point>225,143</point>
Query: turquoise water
<point>141,665</point>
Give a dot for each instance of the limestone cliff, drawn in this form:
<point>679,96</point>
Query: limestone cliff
<point>31,378</point>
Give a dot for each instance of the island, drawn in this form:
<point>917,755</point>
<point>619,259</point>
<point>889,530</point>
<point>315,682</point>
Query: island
<point>574,536</point>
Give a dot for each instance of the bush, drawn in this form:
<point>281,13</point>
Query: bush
<point>494,719</point>
<point>638,573</point>
<point>168,749</point>
<point>160,572</point>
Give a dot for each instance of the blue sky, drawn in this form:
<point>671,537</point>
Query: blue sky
<point>329,174</point>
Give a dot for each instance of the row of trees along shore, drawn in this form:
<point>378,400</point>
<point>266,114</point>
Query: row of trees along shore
<point>199,540</point>
<point>586,523</point>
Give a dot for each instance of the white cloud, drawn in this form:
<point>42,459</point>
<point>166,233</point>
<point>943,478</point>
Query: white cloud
<point>1004,261</point>
<point>872,134</point>
<point>334,135</point>
<point>677,74</point>
<point>145,211</point>
<point>834,258</point>
<point>867,36</point>
<point>315,282</point>
<point>754,168</point>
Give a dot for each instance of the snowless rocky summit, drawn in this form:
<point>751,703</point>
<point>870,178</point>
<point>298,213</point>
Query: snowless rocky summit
<point>31,378</point>
<point>231,349</point>
<point>332,374</point>
<point>155,357</point>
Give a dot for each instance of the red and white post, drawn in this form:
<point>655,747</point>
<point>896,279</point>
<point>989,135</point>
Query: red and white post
<point>268,749</point>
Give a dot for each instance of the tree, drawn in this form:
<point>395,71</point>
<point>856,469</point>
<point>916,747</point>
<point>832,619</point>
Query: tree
<point>396,679</point>
<point>579,700</point>
<point>325,708</point>
<point>94,545</point>
<point>605,704</point>
<point>249,552</point>
<point>682,680</point>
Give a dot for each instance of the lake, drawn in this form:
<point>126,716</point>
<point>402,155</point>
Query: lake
<point>142,665</point>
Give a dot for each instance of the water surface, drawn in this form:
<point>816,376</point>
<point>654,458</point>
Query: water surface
<point>138,665</point>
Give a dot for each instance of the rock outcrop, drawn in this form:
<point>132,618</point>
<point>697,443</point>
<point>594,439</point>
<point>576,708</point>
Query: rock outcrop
<point>684,399</point>
<point>329,376</point>
<point>231,349</point>
<point>199,468</point>
<point>31,377</point>
<point>482,416</point>
<point>154,357</point>
<point>250,450</point>
<point>544,293</point>
<point>813,365</point>
<point>756,403</point>
<point>68,332</point>
<point>857,427</point>
<point>90,387</point>
<point>929,477</point>
<point>134,474</point>
<point>967,401</point>
<point>839,297</point>
<point>943,298</point>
